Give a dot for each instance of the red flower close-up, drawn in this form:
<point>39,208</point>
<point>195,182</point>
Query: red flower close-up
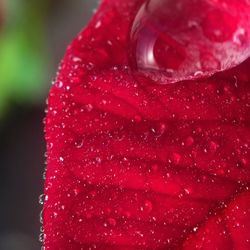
<point>147,130</point>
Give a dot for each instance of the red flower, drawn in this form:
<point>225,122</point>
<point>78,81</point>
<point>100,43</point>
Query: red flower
<point>133,164</point>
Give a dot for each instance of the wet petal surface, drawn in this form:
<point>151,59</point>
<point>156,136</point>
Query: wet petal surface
<point>137,165</point>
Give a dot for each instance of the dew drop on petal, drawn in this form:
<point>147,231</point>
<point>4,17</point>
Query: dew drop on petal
<point>148,206</point>
<point>189,141</point>
<point>41,217</point>
<point>155,167</point>
<point>41,237</point>
<point>79,144</point>
<point>112,222</point>
<point>175,40</point>
<point>176,158</point>
<point>41,199</point>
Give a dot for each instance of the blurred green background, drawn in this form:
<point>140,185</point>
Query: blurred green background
<point>33,38</point>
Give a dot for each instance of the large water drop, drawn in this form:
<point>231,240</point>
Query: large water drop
<point>175,40</point>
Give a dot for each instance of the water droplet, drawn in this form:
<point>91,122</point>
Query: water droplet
<point>76,59</point>
<point>244,161</point>
<point>213,146</point>
<point>159,129</point>
<point>240,36</point>
<point>148,206</point>
<point>187,190</point>
<point>198,73</point>
<point>89,107</point>
<point>79,144</point>
<point>41,229</point>
<point>42,199</point>
<point>155,167</point>
<point>55,214</point>
<point>189,141</point>
<point>138,118</point>
<point>41,237</point>
<point>98,24</point>
<point>90,66</point>
<point>44,175</point>
<point>176,158</point>
<point>60,84</point>
<point>174,40</point>
<point>98,160</point>
<point>139,233</point>
<point>112,222</point>
<point>41,217</point>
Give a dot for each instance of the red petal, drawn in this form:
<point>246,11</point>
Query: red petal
<point>136,165</point>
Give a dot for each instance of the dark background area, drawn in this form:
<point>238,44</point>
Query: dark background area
<point>22,145</point>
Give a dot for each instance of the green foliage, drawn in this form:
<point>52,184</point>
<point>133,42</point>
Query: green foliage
<point>23,57</point>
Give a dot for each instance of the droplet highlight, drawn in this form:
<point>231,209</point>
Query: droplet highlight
<point>172,40</point>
